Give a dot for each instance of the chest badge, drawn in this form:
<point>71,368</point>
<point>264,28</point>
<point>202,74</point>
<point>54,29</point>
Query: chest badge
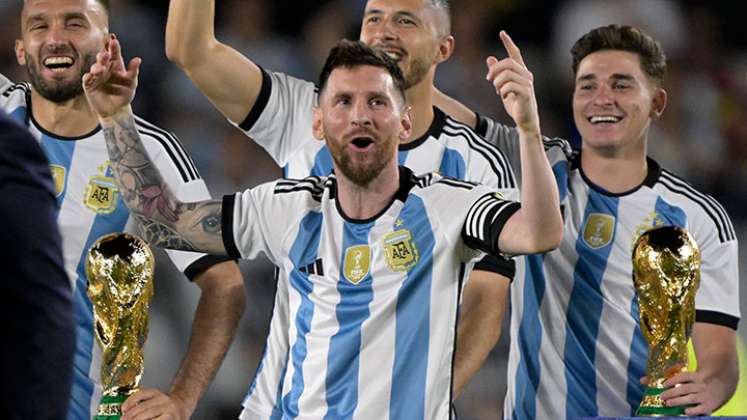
<point>357,263</point>
<point>599,230</point>
<point>58,176</point>
<point>400,251</point>
<point>101,194</point>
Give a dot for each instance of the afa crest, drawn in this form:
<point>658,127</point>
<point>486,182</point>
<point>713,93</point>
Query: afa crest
<point>58,176</point>
<point>101,194</point>
<point>357,263</point>
<point>599,230</point>
<point>400,251</point>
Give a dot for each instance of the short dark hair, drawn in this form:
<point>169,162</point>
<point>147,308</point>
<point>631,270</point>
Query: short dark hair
<point>349,54</point>
<point>625,38</point>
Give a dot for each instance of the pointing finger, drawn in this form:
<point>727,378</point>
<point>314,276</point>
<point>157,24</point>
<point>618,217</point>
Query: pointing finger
<point>511,48</point>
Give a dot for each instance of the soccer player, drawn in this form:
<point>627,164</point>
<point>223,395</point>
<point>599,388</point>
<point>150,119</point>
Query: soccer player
<point>59,42</point>
<point>276,111</point>
<point>576,345</point>
<point>35,293</point>
<point>375,255</point>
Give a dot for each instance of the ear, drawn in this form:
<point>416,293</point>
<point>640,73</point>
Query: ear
<point>20,52</point>
<point>317,126</point>
<point>445,49</point>
<point>406,121</point>
<point>659,102</point>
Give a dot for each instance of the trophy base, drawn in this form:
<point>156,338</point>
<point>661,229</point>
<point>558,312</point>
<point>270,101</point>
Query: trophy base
<point>653,406</point>
<point>110,407</point>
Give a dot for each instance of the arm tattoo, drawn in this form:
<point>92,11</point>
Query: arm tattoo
<point>164,220</point>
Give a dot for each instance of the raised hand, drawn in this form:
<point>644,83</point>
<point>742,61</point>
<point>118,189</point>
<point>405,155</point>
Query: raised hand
<point>109,85</point>
<point>514,83</point>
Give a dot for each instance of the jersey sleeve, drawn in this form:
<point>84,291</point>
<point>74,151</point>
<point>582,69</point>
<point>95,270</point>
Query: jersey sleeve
<point>507,140</point>
<point>717,299</point>
<point>4,83</point>
<point>280,120</point>
<point>254,221</point>
<point>180,173</point>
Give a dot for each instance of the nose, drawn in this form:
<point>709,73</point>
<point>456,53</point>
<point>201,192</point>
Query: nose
<point>603,96</point>
<point>361,114</point>
<point>57,36</point>
<point>384,31</point>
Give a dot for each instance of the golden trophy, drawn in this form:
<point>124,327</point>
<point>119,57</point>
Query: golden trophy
<point>119,267</point>
<point>666,273</point>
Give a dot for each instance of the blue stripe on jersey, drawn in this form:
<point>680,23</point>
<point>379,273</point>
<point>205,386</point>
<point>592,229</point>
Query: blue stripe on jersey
<point>452,164</point>
<point>530,338</point>
<point>402,157</point>
<point>60,153</point>
<point>343,359</point>
<point>584,312</point>
<point>277,409</point>
<point>303,253</point>
<point>82,390</point>
<point>530,329</point>
<point>19,115</point>
<point>407,399</point>
<point>322,163</point>
<point>666,215</point>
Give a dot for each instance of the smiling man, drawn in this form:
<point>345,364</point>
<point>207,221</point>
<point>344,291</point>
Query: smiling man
<point>576,345</point>
<point>58,44</point>
<point>374,255</point>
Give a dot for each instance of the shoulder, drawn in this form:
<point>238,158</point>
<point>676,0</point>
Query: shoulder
<point>702,209</point>
<point>13,94</point>
<point>307,189</point>
<point>159,140</point>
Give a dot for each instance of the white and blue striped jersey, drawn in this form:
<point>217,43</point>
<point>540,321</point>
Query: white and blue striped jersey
<point>281,122</point>
<point>373,303</point>
<point>576,344</point>
<point>91,206</point>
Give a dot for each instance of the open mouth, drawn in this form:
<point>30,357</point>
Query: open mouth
<point>58,64</point>
<point>362,143</point>
<point>604,119</point>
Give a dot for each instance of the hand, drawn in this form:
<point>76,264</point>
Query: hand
<point>147,404</point>
<point>109,86</point>
<point>689,389</point>
<point>515,85</point>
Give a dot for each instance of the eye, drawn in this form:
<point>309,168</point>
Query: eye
<point>377,103</point>
<point>585,86</point>
<point>38,27</point>
<point>373,19</point>
<point>342,100</point>
<point>621,85</point>
<point>406,21</point>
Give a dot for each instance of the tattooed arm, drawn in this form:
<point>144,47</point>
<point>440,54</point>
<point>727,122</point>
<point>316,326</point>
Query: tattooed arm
<point>164,220</point>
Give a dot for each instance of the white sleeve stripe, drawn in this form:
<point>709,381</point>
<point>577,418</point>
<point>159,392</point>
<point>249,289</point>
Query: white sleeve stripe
<point>495,157</point>
<point>173,144</point>
<point>472,226</point>
<point>176,154</point>
<point>483,216</point>
<point>708,199</point>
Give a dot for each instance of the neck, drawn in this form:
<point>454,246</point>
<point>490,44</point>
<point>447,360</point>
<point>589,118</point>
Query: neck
<point>420,99</point>
<point>364,202</point>
<point>615,172</point>
<point>72,118</point>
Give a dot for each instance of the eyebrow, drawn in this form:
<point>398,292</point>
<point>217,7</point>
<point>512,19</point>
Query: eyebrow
<point>397,13</point>
<point>66,16</point>
<point>615,76</point>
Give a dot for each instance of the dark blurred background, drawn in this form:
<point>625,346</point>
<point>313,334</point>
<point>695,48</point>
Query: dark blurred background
<point>702,135</point>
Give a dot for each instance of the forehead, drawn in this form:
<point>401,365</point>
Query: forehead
<point>55,7</point>
<point>603,64</point>
<point>415,7</point>
<point>360,79</point>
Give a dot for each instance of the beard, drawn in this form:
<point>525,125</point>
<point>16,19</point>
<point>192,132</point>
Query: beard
<point>58,91</point>
<point>354,165</point>
<point>417,72</point>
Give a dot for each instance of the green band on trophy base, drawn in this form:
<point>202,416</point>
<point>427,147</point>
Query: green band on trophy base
<point>110,408</point>
<point>653,406</point>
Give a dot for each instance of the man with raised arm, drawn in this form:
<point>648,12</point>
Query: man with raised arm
<point>58,43</point>
<point>276,111</point>
<point>375,255</point>
<point>576,346</point>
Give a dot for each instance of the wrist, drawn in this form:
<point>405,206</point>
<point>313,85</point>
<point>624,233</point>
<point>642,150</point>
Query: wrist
<point>118,115</point>
<point>184,403</point>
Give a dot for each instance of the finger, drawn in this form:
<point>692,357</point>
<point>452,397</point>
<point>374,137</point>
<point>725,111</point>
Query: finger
<point>147,409</point>
<point>508,64</point>
<point>678,391</point>
<point>511,48</point>
<point>133,68</point>
<point>507,76</point>
<point>699,410</point>
<point>644,380</point>
<point>681,378</point>
<point>689,399</point>
<point>512,88</point>
<point>137,398</point>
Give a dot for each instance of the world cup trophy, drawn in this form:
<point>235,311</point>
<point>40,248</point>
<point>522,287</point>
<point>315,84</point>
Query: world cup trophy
<point>120,285</point>
<point>666,273</point>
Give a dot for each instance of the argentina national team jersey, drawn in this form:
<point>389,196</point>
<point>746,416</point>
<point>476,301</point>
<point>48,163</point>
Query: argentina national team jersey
<point>373,303</point>
<point>91,206</point>
<point>576,345</point>
<point>280,122</point>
